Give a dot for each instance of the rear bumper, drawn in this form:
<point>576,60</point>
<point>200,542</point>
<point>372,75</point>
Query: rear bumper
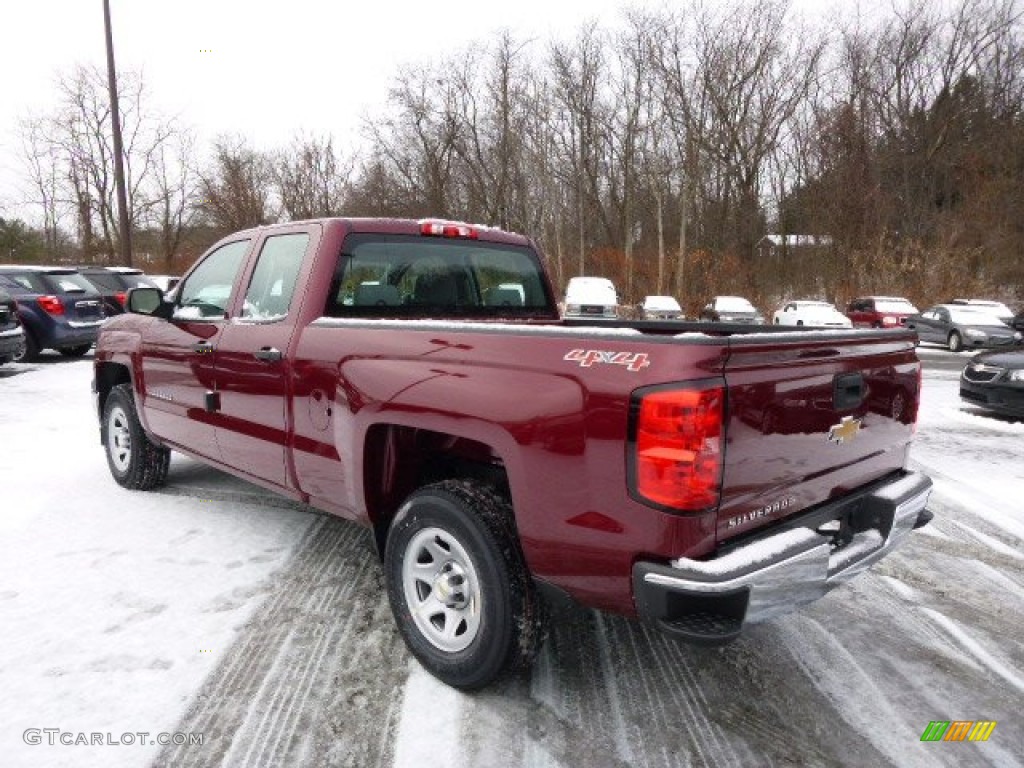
<point>72,334</point>
<point>709,601</point>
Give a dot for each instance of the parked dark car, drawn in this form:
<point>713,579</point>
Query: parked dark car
<point>59,309</point>
<point>731,309</point>
<point>113,283</point>
<point>12,335</point>
<point>995,381</point>
<point>959,326</point>
<point>880,311</point>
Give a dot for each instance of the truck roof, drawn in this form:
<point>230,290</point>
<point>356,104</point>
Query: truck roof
<point>405,227</point>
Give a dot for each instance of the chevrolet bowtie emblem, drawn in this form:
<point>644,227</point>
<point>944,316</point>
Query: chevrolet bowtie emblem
<point>846,429</point>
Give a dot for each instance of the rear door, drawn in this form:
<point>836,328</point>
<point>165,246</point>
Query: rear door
<point>178,354</point>
<point>252,363</point>
<point>809,420</point>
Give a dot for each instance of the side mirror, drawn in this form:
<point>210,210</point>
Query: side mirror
<point>148,301</point>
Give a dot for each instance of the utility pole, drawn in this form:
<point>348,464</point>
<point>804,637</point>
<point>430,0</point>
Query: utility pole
<point>124,227</point>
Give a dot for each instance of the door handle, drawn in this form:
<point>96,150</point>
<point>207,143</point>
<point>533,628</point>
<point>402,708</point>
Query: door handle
<point>268,354</point>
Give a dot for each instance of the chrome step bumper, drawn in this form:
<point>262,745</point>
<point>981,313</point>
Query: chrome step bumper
<point>709,601</point>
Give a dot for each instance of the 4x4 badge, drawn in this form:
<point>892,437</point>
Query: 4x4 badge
<point>846,429</point>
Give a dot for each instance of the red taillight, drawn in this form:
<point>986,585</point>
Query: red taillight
<point>51,304</point>
<point>447,229</point>
<point>678,447</point>
<point>121,297</point>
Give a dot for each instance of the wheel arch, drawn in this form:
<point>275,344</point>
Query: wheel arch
<point>397,459</point>
<point>109,374</point>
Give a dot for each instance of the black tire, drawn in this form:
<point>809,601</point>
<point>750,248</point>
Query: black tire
<point>135,461</point>
<point>453,547</point>
<point>955,342</point>
<point>78,351</point>
<point>29,351</point>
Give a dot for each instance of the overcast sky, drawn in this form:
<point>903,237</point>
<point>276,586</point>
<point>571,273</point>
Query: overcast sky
<point>264,70</point>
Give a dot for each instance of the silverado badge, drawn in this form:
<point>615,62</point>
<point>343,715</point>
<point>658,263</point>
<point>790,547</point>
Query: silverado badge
<point>846,429</point>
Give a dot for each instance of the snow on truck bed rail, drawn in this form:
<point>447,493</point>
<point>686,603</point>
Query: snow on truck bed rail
<point>556,328</point>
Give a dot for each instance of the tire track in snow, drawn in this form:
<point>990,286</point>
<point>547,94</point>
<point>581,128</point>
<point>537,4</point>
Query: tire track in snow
<point>853,692</point>
<point>288,692</point>
<point>992,661</point>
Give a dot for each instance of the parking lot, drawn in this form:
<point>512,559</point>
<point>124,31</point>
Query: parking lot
<point>211,607</point>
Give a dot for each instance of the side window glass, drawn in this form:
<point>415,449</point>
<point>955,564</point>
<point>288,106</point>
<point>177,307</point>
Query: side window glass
<point>269,295</point>
<point>205,293</point>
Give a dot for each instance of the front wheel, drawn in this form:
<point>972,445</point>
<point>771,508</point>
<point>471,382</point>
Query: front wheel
<point>29,349</point>
<point>135,461</point>
<point>955,343</point>
<point>458,585</point>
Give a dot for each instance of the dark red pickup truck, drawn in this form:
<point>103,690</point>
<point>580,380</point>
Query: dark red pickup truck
<point>415,377</point>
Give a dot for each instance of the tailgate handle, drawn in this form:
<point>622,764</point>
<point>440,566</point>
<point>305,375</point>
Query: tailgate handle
<point>849,391</point>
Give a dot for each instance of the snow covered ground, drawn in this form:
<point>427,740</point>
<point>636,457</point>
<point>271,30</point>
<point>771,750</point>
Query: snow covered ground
<point>213,608</point>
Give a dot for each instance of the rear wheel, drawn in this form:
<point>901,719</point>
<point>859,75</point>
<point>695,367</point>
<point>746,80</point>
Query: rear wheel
<point>954,342</point>
<point>78,351</point>
<point>458,584</point>
<point>135,461</point>
<point>29,350</point>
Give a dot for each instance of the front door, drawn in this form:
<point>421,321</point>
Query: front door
<point>178,354</point>
<point>252,362</point>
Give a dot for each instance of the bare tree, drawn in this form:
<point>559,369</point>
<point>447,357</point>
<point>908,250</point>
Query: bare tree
<point>69,155</point>
<point>311,179</point>
<point>235,188</point>
<point>577,70</point>
<point>174,194</point>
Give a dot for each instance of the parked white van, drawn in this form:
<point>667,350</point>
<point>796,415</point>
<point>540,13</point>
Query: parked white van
<point>592,297</point>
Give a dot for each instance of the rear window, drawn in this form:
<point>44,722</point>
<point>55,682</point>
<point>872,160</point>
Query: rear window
<point>67,283</point>
<point>51,282</point>
<point>105,280</point>
<point>733,304</point>
<point>890,305</point>
<point>414,276</point>
<point>136,281</point>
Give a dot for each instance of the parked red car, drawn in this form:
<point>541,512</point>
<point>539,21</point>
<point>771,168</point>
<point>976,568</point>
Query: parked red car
<point>880,311</point>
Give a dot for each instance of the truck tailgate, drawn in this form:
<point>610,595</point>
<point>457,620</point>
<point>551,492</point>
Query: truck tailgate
<point>810,418</point>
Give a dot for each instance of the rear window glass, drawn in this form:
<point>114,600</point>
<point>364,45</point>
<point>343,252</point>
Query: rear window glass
<point>889,305</point>
<point>51,282</point>
<point>136,281</point>
<point>409,275</point>
<point>106,281</point>
<point>70,283</point>
<point>733,304</point>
